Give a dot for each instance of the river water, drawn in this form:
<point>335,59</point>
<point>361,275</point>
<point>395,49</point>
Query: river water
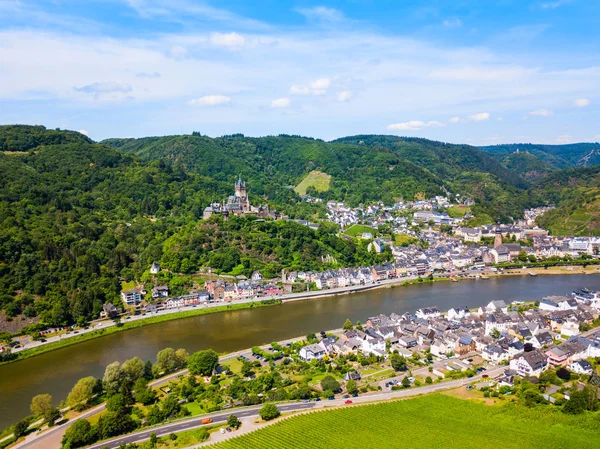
<point>56,372</point>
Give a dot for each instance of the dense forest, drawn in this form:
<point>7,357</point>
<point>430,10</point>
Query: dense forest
<point>79,218</point>
<point>557,156</point>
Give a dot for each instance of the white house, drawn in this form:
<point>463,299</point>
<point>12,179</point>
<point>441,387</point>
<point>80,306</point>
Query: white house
<point>175,303</point>
<point>131,297</point>
<point>456,314</point>
<point>581,367</point>
<point>570,329</point>
<point>442,347</point>
<point>548,304</point>
<point>428,313</point>
<point>531,364</point>
<point>494,353</point>
<point>314,351</point>
<point>155,268</point>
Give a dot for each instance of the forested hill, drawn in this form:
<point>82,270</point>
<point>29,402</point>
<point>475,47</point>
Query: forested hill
<point>558,156</point>
<point>79,218</point>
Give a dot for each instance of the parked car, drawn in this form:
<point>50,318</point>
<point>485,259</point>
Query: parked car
<point>485,376</point>
<point>348,401</point>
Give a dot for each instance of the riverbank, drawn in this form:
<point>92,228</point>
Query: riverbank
<point>133,322</point>
<point>112,328</point>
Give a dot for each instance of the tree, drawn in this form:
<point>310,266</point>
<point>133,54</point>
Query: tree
<point>143,393</point>
<point>153,439</point>
<point>133,369</point>
<point>52,416</point>
<point>116,403</point>
<point>203,362</point>
<point>347,325</point>
<point>359,326</point>
<point>495,333</point>
<point>148,370</point>
<point>329,383</point>
<point>233,422</point>
<point>20,428</point>
<point>398,362</point>
<point>80,434</point>
<point>169,360</point>
<point>246,368</point>
<point>155,416</point>
<point>351,387</point>
<point>563,373</point>
<point>82,392</point>
<point>406,382</point>
<point>113,376</point>
<point>269,412</point>
<point>428,380</point>
<point>41,405</point>
<point>311,337</point>
<point>112,424</point>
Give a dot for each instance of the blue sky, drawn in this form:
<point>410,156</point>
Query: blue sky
<point>479,72</point>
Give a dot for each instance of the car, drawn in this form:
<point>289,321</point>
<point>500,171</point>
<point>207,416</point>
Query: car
<point>317,399</point>
<point>306,400</point>
<point>348,401</point>
<point>355,395</point>
<point>222,430</point>
<point>469,387</point>
<point>331,398</point>
<point>411,379</point>
<point>228,429</point>
<point>485,376</point>
<point>75,332</point>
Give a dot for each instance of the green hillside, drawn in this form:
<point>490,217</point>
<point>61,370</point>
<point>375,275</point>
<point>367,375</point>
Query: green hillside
<point>78,218</point>
<point>559,156</point>
<point>432,421</point>
<point>318,180</point>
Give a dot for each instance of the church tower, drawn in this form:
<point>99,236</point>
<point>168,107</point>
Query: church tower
<point>241,195</point>
<point>498,239</point>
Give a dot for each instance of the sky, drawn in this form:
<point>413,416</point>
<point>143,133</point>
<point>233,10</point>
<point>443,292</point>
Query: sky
<point>462,71</point>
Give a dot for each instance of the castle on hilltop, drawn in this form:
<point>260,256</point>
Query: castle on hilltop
<point>238,204</point>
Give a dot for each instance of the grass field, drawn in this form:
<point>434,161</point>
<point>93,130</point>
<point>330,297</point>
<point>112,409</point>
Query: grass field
<point>316,179</point>
<point>458,211</point>
<point>433,421</point>
<point>404,239</point>
<point>357,230</point>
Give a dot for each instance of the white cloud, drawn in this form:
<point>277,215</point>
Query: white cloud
<point>564,138</point>
<point>178,52</point>
<point>84,132</point>
<point>344,95</point>
<point>479,117</point>
<point>454,120</point>
<point>581,102</point>
<point>317,87</point>
<point>227,39</point>
<point>413,125</point>
<point>280,103</point>
<point>104,88</point>
<point>452,23</point>
<point>210,100</point>
<point>540,113</point>
<point>321,13</point>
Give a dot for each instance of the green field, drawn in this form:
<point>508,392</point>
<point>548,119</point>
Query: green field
<point>404,239</point>
<point>432,421</point>
<point>357,230</point>
<point>316,179</point>
<point>458,211</point>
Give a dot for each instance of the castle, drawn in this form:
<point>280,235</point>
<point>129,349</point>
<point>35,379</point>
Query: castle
<point>238,204</point>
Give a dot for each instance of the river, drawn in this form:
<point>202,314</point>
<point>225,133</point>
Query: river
<point>56,372</point>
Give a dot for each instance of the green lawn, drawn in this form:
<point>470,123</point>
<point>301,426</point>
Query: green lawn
<point>357,230</point>
<point>316,179</point>
<point>433,421</point>
<point>194,408</point>
<point>458,211</point>
<point>404,240</point>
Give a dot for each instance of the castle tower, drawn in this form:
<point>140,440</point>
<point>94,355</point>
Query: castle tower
<point>241,195</point>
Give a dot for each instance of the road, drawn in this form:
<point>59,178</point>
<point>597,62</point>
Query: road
<point>196,422</point>
<point>252,412</point>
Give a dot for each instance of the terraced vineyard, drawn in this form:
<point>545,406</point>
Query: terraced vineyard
<point>433,421</point>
